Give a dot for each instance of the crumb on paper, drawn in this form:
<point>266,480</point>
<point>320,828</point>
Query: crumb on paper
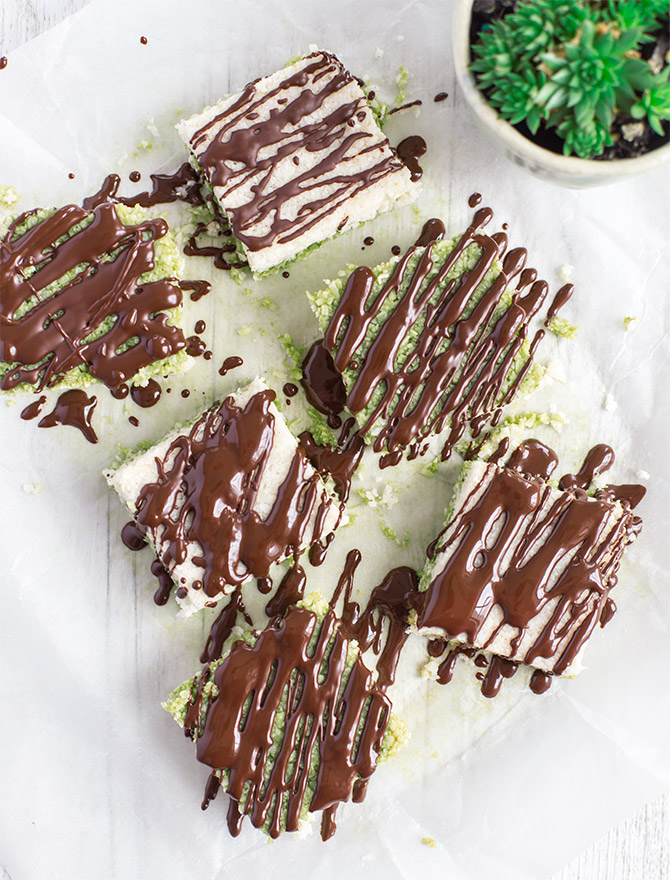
<point>245,330</point>
<point>152,128</point>
<point>144,145</point>
<point>642,475</point>
<point>8,196</point>
<point>401,85</point>
<point>429,841</point>
<point>565,272</point>
<point>610,403</point>
<point>379,53</point>
<point>33,488</point>
<point>630,323</point>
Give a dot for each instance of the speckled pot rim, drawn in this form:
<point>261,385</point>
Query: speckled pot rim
<point>541,158</point>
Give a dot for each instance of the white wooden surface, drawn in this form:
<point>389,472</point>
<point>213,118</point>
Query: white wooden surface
<point>637,849</point>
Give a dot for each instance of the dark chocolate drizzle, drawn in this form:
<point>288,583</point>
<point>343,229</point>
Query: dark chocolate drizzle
<point>243,144</point>
<point>206,489</point>
<point>133,537</point>
<point>327,709</point>
<point>339,462</point>
<point>74,408</point>
<point>198,288</point>
<point>463,368</point>
<point>569,541</point>
<point>55,334</point>
<point>223,626</point>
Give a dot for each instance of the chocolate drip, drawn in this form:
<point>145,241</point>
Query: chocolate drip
<point>229,364</point>
<point>120,393</point>
<point>146,395</point>
<point>219,252</point>
<point>69,328</point>
<point>339,463</point>
<point>628,493</point>
<point>517,548</point>
<point>464,366</point>
<point>608,612</point>
<point>133,537</point>
<point>165,582</point>
<point>74,408</point>
<point>195,346</point>
<point>264,585</point>
<point>410,150</point>
<point>3,62</point>
<point>441,96</point>
<point>445,670</point>
<point>198,288</point>
<point>533,459</point>
<point>499,668</point>
<point>598,460</point>
<point>245,146</point>
<point>562,296</point>
<point>433,230</point>
<point>540,682</point>
<point>328,823</point>
<point>291,589</point>
<point>323,384</point>
<point>289,389</point>
<point>334,718</point>
<point>406,106</point>
<point>206,490</point>
<point>33,409</point>
<point>474,200</point>
<point>183,185</point>
<point>223,627</point>
<point>387,610</point>
<point>211,790</point>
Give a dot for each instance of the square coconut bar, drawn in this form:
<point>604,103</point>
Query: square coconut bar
<point>295,158</point>
<point>523,568</point>
<point>88,293</point>
<point>225,497</point>
<point>437,340</point>
<point>290,720</point>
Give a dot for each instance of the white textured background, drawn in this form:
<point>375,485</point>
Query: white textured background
<point>637,849</point>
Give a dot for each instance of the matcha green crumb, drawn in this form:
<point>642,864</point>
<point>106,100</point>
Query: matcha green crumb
<point>564,328</point>
<point>630,323</point>
<point>391,534</point>
<point>8,196</point>
<point>395,737</point>
<point>429,841</point>
<point>401,81</point>
<point>245,330</point>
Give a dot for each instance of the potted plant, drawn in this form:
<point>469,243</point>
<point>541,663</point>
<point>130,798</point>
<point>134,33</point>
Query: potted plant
<point>577,91</point>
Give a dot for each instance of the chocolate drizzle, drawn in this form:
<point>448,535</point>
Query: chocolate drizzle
<point>240,149</point>
<point>33,409</point>
<point>74,408</point>
<point>333,718</point>
<point>339,462</point>
<point>206,490</point>
<point>467,361</point>
<point>526,566</point>
<point>45,334</point>
<point>146,395</point>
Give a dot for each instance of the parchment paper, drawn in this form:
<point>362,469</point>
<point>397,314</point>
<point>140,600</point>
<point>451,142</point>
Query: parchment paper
<point>97,781</point>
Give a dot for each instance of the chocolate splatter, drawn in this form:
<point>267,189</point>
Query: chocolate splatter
<point>410,150</point>
<point>146,395</point>
<point>229,364</point>
<point>74,408</point>
<point>33,409</point>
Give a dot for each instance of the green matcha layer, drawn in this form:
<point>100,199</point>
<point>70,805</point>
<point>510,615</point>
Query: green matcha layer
<point>89,294</point>
<point>435,341</point>
<point>269,687</point>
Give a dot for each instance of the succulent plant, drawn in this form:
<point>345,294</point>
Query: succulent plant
<point>576,67</point>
